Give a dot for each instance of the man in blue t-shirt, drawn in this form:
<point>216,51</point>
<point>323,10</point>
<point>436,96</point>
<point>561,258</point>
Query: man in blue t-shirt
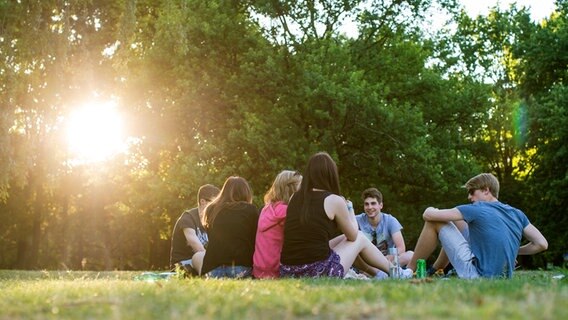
<point>481,239</point>
<point>382,229</point>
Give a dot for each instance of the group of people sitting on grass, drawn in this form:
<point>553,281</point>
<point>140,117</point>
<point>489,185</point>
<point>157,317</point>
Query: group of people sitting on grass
<point>307,229</point>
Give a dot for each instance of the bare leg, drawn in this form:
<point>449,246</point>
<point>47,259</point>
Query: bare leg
<point>359,263</point>
<point>349,250</point>
<point>427,242</point>
<point>335,241</point>
<point>442,261</point>
<point>405,258</point>
<point>197,261</point>
<point>365,267</point>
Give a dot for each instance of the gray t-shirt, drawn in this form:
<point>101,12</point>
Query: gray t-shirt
<point>384,230</point>
<point>495,232</point>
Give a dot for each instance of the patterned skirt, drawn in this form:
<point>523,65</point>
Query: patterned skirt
<point>330,267</point>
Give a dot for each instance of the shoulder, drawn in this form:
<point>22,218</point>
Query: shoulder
<point>194,212</point>
<point>392,222</point>
<point>390,218</point>
<point>242,207</point>
<point>516,211</point>
<point>332,205</point>
<point>334,199</point>
<point>280,207</point>
<point>467,208</point>
<point>248,208</point>
<point>190,214</point>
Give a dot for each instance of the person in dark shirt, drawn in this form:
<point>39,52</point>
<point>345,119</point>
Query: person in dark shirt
<point>189,235</point>
<point>315,212</point>
<point>231,221</point>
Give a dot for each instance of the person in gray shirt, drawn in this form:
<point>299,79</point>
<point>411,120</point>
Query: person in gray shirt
<point>382,229</point>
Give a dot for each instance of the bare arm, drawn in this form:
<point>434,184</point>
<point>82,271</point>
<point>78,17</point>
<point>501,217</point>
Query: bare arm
<point>399,242</point>
<point>537,242</point>
<point>352,214</point>
<point>336,209</point>
<point>192,240</point>
<point>442,215</point>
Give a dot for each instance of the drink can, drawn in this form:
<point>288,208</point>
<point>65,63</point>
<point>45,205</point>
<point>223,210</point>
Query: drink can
<point>421,268</point>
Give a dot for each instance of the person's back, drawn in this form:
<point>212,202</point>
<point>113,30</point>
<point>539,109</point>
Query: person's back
<point>270,232</point>
<point>495,233</point>
<point>309,241</point>
<point>269,239</point>
<point>231,221</point>
<point>232,237</point>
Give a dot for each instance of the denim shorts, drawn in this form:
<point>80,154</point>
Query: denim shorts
<point>459,252</point>
<point>236,272</point>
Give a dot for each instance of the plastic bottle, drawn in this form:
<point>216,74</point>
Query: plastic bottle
<point>394,271</point>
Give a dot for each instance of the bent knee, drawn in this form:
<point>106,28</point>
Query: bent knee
<point>437,225</point>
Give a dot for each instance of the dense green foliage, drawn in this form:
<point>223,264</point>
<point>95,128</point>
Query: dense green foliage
<point>217,88</point>
<point>114,295</point>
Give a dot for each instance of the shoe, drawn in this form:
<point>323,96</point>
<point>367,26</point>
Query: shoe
<point>381,275</point>
<point>406,273</point>
<point>451,273</point>
<point>352,274</point>
<point>435,273</point>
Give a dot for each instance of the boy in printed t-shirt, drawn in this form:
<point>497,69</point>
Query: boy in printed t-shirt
<point>382,229</point>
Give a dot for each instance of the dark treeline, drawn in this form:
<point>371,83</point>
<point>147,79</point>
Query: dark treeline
<point>217,88</point>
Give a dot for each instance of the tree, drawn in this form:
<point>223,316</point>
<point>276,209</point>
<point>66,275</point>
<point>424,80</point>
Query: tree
<point>543,84</point>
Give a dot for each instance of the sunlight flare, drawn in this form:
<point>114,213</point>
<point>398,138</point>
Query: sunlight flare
<point>95,133</point>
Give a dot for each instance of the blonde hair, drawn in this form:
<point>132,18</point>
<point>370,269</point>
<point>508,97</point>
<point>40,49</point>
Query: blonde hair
<point>286,183</point>
<point>484,181</point>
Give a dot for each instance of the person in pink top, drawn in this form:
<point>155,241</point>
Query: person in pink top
<point>270,231</point>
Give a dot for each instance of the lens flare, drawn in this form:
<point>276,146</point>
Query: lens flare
<point>520,121</point>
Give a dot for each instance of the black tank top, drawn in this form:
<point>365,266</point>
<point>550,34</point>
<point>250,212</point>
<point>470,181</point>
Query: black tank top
<point>307,242</point>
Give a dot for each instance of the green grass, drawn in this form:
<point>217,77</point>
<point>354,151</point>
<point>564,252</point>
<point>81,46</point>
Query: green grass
<point>115,295</point>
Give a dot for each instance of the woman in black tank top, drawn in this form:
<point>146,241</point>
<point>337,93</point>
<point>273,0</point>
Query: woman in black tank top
<point>315,215</point>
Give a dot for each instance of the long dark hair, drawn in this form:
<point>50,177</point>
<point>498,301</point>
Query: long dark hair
<point>321,173</point>
<point>235,190</point>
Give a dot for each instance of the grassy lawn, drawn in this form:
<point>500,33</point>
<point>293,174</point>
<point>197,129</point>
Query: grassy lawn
<point>115,295</point>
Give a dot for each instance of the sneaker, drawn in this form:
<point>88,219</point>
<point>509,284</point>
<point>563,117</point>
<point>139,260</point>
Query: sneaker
<point>406,273</point>
<point>451,273</point>
<point>435,273</point>
<point>381,275</point>
<point>353,274</point>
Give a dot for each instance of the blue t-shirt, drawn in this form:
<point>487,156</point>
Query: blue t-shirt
<point>384,230</point>
<point>495,232</point>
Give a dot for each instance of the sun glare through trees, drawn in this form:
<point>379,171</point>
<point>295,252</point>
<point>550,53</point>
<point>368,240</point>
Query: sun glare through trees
<point>95,133</point>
